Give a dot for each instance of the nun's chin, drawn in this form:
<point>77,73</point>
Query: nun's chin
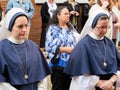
<point>22,38</point>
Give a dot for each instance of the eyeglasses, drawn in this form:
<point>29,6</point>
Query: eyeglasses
<point>66,14</point>
<point>103,27</point>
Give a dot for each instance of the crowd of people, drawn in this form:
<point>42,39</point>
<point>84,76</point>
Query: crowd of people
<point>86,59</point>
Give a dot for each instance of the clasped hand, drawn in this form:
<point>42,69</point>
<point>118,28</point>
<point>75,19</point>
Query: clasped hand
<point>74,13</point>
<point>105,85</point>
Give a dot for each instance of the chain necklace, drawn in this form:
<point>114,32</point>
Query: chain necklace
<point>104,59</point>
<point>21,65</point>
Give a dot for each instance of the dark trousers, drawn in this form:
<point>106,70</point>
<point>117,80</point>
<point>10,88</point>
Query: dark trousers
<point>60,80</point>
<point>43,36</point>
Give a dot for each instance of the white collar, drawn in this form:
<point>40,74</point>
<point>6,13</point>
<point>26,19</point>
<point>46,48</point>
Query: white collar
<point>15,41</point>
<point>51,8</point>
<point>95,37</point>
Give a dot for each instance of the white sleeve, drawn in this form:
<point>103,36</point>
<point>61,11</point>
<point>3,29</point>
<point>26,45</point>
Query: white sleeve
<point>4,32</point>
<point>2,15</point>
<point>6,86</point>
<point>76,35</point>
<point>42,85</point>
<point>118,80</point>
<point>84,82</point>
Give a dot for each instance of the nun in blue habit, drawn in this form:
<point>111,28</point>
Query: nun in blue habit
<point>95,60</point>
<point>22,64</point>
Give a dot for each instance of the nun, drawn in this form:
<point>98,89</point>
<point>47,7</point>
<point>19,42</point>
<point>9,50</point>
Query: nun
<point>22,64</point>
<point>94,62</point>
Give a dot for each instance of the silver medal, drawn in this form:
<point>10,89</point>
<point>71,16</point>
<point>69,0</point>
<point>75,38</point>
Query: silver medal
<point>26,76</point>
<point>105,64</point>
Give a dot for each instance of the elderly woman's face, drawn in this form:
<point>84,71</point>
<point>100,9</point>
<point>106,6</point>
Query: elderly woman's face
<point>20,28</point>
<point>64,16</point>
<point>101,27</point>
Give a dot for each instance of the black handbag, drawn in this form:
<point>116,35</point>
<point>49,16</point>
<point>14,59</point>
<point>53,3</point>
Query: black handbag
<point>55,57</point>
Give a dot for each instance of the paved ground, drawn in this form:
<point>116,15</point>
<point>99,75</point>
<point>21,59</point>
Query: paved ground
<point>49,83</point>
<point>48,78</point>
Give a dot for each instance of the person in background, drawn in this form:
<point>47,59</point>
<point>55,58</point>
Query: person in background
<point>115,14</point>
<point>118,4</point>
<point>26,5</point>
<point>74,10</point>
<point>85,11</point>
<point>60,42</point>
<point>22,64</point>
<point>46,13</point>
<point>96,67</point>
<point>1,13</point>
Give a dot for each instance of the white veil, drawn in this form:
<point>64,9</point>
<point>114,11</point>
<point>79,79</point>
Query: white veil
<point>4,32</point>
<point>87,27</point>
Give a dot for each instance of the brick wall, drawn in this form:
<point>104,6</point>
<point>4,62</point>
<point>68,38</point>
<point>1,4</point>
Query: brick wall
<point>35,22</point>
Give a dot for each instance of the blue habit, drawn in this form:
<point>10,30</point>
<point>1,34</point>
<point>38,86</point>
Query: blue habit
<point>11,69</point>
<point>86,58</point>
